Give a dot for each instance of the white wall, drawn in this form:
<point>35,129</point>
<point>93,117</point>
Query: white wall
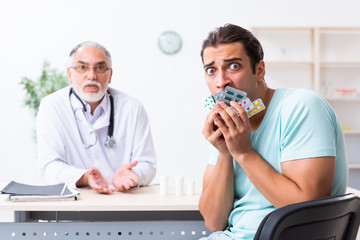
<point>172,88</point>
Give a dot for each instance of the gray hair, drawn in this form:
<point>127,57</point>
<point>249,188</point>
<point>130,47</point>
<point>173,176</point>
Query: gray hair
<point>91,44</point>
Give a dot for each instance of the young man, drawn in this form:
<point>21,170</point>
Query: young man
<point>291,152</point>
<point>92,135</point>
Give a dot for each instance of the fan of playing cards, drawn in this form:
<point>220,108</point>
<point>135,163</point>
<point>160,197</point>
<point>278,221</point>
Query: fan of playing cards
<point>233,94</point>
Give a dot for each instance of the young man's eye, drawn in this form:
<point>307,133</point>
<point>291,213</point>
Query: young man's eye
<point>234,66</point>
<point>210,71</point>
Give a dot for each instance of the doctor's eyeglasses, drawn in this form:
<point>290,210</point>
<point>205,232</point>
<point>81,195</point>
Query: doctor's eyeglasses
<point>83,68</point>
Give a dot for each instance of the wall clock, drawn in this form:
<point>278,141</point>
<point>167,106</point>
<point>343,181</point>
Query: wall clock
<point>170,42</point>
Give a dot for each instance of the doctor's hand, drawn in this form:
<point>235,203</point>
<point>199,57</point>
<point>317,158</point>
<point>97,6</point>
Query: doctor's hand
<point>125,178</point>
<point>236,129</point>
<point>97,181</point>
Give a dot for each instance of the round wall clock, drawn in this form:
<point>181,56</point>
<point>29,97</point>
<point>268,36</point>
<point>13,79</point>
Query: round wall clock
<point>170,42</point>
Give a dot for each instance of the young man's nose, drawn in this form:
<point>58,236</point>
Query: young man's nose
<point>222,80</point>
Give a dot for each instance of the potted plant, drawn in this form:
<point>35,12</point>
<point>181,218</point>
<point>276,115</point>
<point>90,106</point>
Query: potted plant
<point>50,81</point>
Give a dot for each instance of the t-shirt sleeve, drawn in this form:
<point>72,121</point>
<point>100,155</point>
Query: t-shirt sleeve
<point>308,126</point>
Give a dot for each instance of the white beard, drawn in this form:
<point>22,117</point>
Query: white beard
<point>90,97</point>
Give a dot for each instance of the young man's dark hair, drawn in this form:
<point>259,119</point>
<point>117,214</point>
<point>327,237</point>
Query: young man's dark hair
<point>230,33</point>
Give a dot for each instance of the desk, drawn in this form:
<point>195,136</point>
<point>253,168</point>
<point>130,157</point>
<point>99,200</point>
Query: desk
<point>353,190</point>
<point>137,214</point>
<point>137,201</point>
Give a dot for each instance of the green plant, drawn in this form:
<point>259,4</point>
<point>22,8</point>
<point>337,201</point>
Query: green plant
<point>50,81</point>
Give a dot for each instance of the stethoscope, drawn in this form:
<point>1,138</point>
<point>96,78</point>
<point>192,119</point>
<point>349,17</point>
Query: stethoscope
<point>110,141</point>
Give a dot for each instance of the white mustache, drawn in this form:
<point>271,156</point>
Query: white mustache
<point>90,82</point>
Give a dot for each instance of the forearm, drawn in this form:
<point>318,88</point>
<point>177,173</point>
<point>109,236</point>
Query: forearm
<point>145,172</point>
<point>54,172</point>
<point>217,198</point>
<point>83,181</point>
<point>52,157</point>
<point>276,187</point>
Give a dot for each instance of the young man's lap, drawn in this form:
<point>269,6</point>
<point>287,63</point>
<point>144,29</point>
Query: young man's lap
<point>217,236</point>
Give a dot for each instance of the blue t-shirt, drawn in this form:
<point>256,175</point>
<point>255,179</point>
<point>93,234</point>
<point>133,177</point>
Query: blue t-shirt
<point>298,124</point>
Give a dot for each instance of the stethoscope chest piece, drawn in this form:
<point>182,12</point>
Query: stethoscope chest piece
<point>110,142</point>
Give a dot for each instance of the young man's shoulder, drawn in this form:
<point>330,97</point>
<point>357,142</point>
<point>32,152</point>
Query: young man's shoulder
<point>300,96</point>
<point>298,93</point>
<point>304,102</point>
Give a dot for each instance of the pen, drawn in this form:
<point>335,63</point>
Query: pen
<point>63,190</point>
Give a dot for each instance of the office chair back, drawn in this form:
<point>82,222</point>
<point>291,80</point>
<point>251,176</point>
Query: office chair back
<point>331,218</point>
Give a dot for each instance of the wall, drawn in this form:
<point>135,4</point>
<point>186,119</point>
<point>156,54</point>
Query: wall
<point>172,88</point>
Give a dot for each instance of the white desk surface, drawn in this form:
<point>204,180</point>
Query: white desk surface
<point>353,190</point>
<point>146,198</point>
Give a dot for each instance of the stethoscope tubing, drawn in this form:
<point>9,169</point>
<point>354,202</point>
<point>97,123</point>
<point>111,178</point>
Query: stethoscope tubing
<point>109,142</point>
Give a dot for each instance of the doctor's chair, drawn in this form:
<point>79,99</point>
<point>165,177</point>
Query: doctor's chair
<point>331,218</point>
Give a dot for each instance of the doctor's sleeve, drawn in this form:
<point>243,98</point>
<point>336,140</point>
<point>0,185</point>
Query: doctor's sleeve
<point>52,162</point>
<point>143,149</point>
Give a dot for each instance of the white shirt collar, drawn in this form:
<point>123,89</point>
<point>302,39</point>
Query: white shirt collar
<point>102,112</point>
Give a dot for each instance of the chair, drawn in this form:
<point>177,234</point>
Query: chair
<point>336,217</point>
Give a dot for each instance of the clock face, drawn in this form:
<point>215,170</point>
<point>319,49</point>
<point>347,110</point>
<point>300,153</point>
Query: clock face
<point>170,42</point>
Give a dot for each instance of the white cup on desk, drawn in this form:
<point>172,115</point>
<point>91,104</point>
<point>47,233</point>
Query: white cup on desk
<point>164,185</point>
<point>190,187</point>
<point>179,185</point>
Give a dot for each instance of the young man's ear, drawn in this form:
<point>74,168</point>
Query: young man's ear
<point>260,70</point>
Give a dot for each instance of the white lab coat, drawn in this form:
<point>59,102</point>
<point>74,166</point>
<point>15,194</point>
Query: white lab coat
<point>61,155</point>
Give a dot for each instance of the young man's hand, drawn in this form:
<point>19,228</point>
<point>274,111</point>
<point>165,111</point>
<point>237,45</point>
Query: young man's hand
<point>234,127</point>
<point>213,134</point>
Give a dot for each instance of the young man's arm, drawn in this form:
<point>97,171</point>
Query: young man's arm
<point>300,180</point>
<point>217,198</point>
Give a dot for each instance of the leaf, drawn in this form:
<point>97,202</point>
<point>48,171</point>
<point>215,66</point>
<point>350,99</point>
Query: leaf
<point>49,81</point>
